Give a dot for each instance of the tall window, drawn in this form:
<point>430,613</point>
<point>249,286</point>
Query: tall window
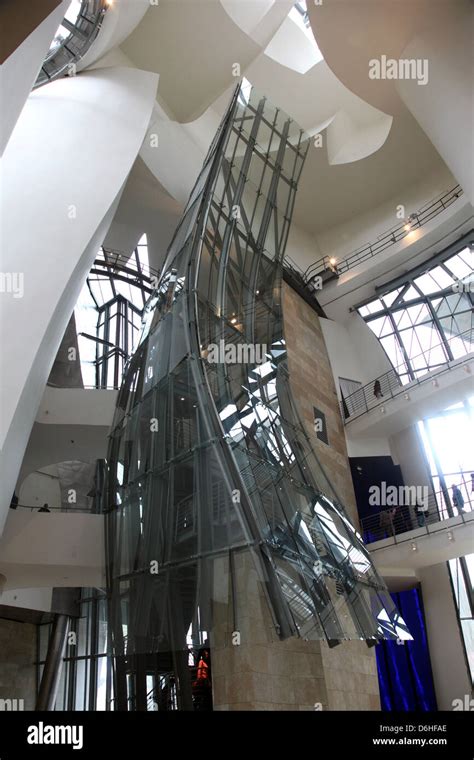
<point>86,674</point>
<point>447,439</point>
<point>109,314</point>
<point>427,320</point>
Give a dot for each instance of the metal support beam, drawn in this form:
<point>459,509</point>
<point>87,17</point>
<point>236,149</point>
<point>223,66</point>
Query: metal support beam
<point>53,665</point>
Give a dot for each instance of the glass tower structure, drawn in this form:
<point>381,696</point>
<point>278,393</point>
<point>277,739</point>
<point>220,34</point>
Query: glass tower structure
<point>209,461</point>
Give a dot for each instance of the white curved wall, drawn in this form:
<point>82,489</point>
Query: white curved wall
<point>172,155</point>
<point>40,488</point>
<point>65,166</point>
<point>19,72</point>
<point>444,107</point>
<point>41,550</point>
<point>120,20</point>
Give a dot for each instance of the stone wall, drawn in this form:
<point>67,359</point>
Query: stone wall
<point>17,666</point>
<point>262,673</point>
<point>296,674</point>
<point>350,671</point>
<point>312,384</point>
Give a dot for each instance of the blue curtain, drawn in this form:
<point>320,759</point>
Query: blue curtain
<point>405,676</point>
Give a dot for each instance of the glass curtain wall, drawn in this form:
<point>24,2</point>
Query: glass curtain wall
<point>86,675</point>
<point>213,481</point>
<point>427,320</point>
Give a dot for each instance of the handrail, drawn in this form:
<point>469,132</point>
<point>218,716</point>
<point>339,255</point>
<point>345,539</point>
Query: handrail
<point>395,521</point>
<point>364,398</point>
<point>81,387</point>
<point>388,238</point>
<point>53,508</point>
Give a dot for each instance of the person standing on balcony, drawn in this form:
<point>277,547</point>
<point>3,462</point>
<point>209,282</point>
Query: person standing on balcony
<point>421,512</point>
<point>458,499</point>
<point>387,517</point>
<point>377,389</point>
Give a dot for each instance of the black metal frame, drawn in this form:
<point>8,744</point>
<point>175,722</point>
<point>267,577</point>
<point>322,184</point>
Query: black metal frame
<point>440,305</point>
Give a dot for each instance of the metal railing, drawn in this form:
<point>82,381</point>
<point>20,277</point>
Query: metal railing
<point>386,239</point>
<point>396,522</point>
<point>54,508</point>
<point>371,395</point>
<point>112,262</point>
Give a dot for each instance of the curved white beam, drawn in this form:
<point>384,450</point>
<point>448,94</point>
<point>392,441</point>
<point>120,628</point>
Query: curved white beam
<point>19,72</point>
<point>416,55</point>
<point>65,166</point>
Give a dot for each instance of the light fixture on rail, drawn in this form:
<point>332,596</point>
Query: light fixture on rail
<point>410,222</point>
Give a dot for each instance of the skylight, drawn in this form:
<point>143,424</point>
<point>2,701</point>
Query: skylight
<point>294,45</point>
<point>299,15</point>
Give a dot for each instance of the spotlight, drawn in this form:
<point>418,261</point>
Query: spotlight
<point>406,396</point>
<point>450,535</point>
<point>332,261</point>
<point>382,409</point>
<point>233,321</point>
<point>414,547</point>
<point>407,227</point>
